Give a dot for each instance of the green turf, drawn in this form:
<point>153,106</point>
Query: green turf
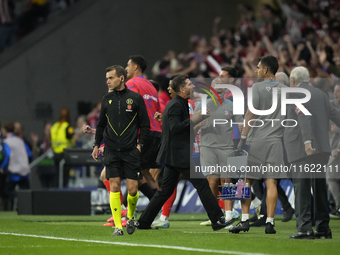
<point>184,231</point>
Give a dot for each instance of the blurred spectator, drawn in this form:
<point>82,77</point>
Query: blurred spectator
<point>15,163</point>
<point>3,196</point>
<point>167,65</point>
<point>92,117</point>
<point>20,17</point>
<point>34,16</point>
<point>7,24</point>
<point>298,33</point>
<point>46,170</point>
<point>80,137</point>
<point>62,137</point>
<point>163,95</point>
<point>19,131</point>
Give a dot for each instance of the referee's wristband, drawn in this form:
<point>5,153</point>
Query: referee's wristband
<point>243,137</point>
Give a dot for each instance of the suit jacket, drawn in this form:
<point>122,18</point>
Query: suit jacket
<point>314,127</point>
<point>176,147</point>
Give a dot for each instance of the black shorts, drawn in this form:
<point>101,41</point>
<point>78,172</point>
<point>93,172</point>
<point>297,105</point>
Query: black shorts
<point>128,160</point>
<point>150,150</point>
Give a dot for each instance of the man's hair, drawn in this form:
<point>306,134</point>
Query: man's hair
<point>179,82</point>
<point>300,74</point>
<point>283,78</point>
<point>173,77</point>
<point>119,70</point>
<point>9,127</point>
<point>271,63</point>
<point>139,61</point>
<point>232,71</point>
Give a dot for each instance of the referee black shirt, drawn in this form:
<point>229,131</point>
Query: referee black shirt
<point>123,113</point>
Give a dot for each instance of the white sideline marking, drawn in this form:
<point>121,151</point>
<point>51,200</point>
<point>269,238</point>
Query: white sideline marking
<point>136,244</point>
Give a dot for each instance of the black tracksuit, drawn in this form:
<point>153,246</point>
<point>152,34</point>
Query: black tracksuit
<point>123,114</point>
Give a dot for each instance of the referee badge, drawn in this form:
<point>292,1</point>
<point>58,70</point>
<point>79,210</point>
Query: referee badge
<point>129,101</point>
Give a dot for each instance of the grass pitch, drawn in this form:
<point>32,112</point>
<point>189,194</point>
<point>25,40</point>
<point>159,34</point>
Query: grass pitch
<point>52,235</point>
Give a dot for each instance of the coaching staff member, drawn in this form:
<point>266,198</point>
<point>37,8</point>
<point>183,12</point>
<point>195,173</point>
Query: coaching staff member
<point>123,114</point>
<point>311,131</point>
<point>175,153</point>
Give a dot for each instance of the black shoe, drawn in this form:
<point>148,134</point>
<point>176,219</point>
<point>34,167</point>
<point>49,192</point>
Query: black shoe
<point>130,226</point>
<point>335,214</point>
<point>303,235</point>
<point>142,227</point>
<point>270,228</point>
<point>288,215</point>
<point>253,219</point>
<point>221,223</point>
<point>323,235</point>
<point>260,223</point>
<point>241,226</point>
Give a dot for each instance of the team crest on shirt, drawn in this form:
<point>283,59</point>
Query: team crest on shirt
<point>129,101</point>
<point>110,101</point>
<point>128,108</point>
<point>268,88</point>
<point>226,112</point>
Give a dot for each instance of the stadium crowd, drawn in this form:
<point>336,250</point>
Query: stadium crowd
<point>20,17</point>
<point>298,38</point>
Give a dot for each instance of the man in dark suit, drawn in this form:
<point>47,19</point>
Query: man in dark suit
<point>175,153</point>
<point>311,131</point>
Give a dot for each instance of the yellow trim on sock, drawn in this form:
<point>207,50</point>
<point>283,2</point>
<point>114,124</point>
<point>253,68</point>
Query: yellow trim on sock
<point>132,203</point>
<point>116,208</point>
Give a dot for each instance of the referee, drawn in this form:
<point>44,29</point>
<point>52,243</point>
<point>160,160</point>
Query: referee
<point>123,114</point>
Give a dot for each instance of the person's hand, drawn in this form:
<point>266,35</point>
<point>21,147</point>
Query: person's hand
<point>309,44</point>
<point>87,129</point>
<point>335,153</point>
<point>300,47</point>
<point>241,144</point>
<point>198,117</point>
<point>101,150</point>
<point>139,148</point>
<point>95,153</point>
<point>322,56</point>
<point>334,128</point>
<point>309,149</point>
<point>202,123</point>
<point>287,39</point>
<point>158,116</point>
